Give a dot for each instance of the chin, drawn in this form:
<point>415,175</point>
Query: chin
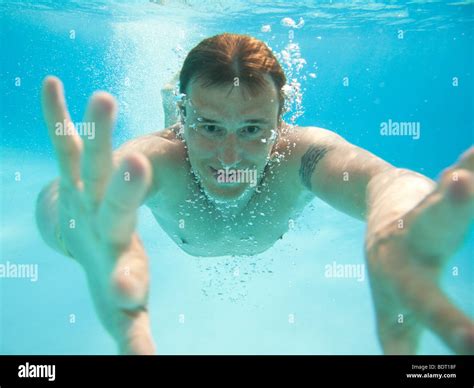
<point>220,192</point>
<point>223,193</point>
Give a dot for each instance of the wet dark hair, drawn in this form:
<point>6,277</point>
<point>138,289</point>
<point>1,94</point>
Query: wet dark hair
<point>218,60</point>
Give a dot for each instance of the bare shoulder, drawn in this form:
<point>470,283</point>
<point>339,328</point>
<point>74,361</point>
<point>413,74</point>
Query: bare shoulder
<point>161,146</point>
<point>297,146</point>
<point>313,136</point>
<point>296,141</point>
<point>165,152</point>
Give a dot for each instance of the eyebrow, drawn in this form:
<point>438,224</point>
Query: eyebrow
<point>249,121</point>
<point>257,121</point>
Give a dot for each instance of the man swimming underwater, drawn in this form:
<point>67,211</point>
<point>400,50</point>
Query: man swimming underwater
<point>190,176</point>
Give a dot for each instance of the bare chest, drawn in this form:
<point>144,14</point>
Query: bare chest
<point>200,229</point>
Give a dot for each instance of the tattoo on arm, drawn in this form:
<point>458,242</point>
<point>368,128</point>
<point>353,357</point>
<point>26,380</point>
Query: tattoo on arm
<point>309,161</point>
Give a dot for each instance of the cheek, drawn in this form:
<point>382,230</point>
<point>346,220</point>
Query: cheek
<point>257,150</point>
<point>197,147</point>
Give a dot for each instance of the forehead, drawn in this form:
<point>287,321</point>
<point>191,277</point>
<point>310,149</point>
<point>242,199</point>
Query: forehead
<point>234,101</point>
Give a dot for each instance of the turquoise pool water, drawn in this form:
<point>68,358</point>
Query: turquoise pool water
<point>358,65</point>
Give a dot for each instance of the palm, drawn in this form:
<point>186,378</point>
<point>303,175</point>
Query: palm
<point>405,265</point>
<point>97,216</point>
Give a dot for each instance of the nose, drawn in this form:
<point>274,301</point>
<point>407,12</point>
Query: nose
<point>229,154</point>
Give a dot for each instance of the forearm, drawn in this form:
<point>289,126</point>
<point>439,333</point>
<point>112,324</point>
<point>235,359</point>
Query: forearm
<point>392,194</point>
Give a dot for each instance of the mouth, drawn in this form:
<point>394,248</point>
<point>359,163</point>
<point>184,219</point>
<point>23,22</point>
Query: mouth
<point>214,172</point>
<point>223,178</point>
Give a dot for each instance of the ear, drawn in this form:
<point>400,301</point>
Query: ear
<point>182,111</point>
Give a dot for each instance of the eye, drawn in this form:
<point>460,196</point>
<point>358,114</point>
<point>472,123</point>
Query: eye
<point>251,130</point>
<point>210,128</point>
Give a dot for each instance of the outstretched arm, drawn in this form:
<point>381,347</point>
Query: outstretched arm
<point>413,226</point>
<point>89,213</point>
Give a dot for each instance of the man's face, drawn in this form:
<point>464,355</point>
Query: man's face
<point>229,136</point>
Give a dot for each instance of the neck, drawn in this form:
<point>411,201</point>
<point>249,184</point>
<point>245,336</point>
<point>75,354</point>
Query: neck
<point>231,208</point>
